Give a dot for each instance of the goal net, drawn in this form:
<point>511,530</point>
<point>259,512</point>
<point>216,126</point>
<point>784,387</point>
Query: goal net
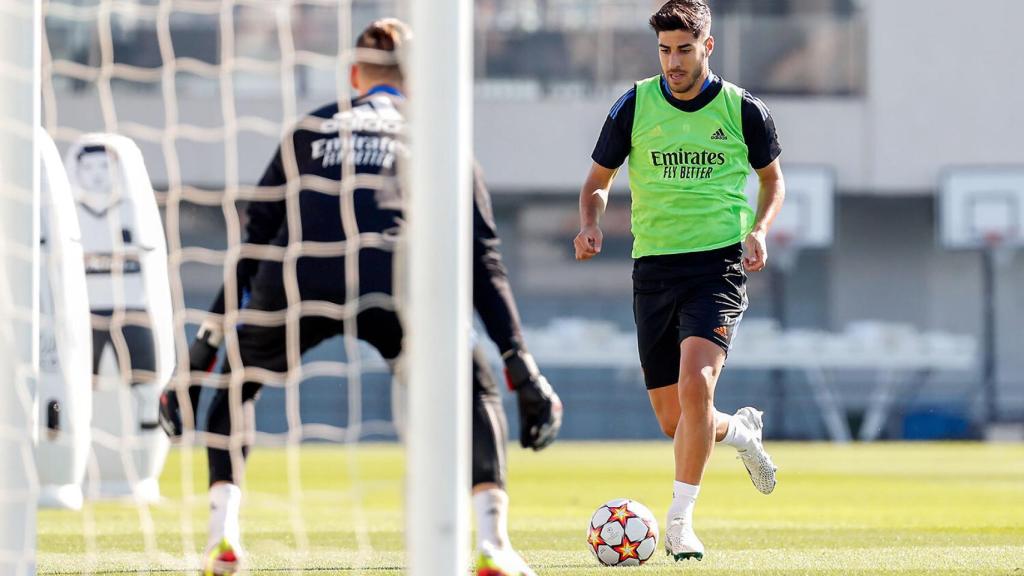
<point>166,114</point>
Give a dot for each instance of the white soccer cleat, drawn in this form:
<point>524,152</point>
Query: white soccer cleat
<point>222,559</point>
<point>680,541</point>
<point>494,561</point>
<point>757,462</point>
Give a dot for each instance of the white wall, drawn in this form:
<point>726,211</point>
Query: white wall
<point>945,88</point>
<point>946,79</point>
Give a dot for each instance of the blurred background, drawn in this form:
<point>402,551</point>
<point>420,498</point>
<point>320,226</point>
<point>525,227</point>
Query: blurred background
<point>881,327</point>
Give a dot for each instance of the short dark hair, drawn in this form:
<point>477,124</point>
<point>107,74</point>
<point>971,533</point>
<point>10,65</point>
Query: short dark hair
<point>381,37</point>
<point>91,149</point>
<point>691,16</point>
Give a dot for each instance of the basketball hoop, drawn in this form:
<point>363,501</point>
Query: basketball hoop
<point>783,250</point>
<point>1002,251</point>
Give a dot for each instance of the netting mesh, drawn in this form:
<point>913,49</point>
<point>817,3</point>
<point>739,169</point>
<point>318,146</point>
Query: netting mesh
<point>205,89</point>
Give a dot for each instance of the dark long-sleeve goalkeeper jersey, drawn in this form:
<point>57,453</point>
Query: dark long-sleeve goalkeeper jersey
<point>313,159</point>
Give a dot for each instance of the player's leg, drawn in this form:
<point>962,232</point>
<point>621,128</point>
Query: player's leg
<point>490,433</point>
<point>700,365</point>
<point>656,306</point>
<point>714,315</point>
<point>261,347</point>
<point>741,430</point>
<point>490,499</point>
<point>655,312</point>
<point>223,546</point>
<point>708,320</point>
<point>383,330</point>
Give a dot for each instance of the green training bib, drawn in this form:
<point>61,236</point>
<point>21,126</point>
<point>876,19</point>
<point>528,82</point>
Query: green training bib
<point>687,173</point>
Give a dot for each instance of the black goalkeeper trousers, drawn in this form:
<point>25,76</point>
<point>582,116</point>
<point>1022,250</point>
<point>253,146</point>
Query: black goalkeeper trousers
<point>265,347</point>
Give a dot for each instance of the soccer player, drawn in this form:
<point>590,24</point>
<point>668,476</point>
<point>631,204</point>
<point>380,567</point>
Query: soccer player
<point>374,147</point>
<point>690,137</point>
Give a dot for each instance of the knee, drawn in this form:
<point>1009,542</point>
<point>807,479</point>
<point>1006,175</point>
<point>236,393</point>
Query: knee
<point>696,386</point>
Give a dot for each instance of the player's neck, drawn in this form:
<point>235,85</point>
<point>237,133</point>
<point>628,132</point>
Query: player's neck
<point>697,87</point>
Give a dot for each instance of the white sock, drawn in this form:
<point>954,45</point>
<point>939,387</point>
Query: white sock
<point>684,497</point>
<point>225,503</point>
<point>491,507</point>
<point>737,436</point>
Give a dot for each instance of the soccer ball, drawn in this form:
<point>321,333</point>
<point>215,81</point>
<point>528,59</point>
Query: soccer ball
<point>622,532</point>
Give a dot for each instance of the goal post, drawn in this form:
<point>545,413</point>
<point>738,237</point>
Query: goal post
<point>439,309</point>
<point>153,85</point>
<point>19,280</point>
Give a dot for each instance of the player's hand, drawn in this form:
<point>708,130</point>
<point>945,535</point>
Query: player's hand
<point>588,242</point>
<point>170,410</point>
<point>755,252</point>
<point>540,409</point>
<point>540,413</point>
<point>202,357</point>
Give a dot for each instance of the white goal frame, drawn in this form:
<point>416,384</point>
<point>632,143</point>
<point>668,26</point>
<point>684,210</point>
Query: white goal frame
<point>20,22</point>
<point>439,308</point>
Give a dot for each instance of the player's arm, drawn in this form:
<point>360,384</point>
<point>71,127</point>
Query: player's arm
<point>492,292</point>
<point>771,193</point>
<point>611,150</point>
<point>763,152</point>
<point>540,409</point>
<point>593,201</point>
<point>263,221</point>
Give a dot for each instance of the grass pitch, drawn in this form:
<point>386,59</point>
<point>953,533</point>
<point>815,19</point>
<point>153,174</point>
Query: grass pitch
<point>928,509</point>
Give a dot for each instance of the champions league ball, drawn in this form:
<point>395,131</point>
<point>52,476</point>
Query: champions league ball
<point>622,532</point>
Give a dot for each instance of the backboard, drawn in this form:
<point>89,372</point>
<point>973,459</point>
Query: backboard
<point>982,208</point>
<point>807,217</point>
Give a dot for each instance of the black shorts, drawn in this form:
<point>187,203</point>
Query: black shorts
<point>266,346</point>
<point>139,341</point>
<point>676,296</point>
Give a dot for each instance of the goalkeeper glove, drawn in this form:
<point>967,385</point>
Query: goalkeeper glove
<point>540,409</point>
<point>202,355</point>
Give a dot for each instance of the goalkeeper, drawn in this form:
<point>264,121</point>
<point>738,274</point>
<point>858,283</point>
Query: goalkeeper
<point>373,148</point>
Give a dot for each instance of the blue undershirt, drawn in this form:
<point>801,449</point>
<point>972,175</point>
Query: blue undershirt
<point>388,89</point>
<point>707,82</point>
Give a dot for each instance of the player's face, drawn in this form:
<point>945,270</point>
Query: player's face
<point>684,58</point>
<point>94,172</point>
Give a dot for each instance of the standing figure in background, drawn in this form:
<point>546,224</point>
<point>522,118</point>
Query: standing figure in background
<point>691,139</point>
<point>129,295</point>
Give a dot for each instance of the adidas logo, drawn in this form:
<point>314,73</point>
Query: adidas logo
<point>722,331</point>
<point>718,135</point>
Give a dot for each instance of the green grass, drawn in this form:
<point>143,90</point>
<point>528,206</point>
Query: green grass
<point>929,509</point>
